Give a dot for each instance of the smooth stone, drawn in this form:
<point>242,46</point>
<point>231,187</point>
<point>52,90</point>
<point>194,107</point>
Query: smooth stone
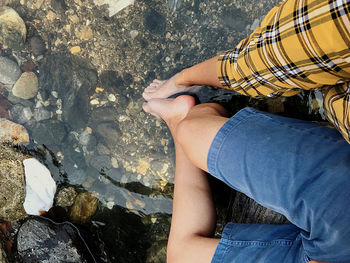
<point>37,46</point>
<point>84,207</point>
<point>75,176</point>
<point>66,197</point>
<point>12,28</point>
<point>12,189</point>
<point>43,240</point>
<point>9,71</point>
<point>21,114</point>
<point>41,114</point>
<point>26,86</point>
<point>154,22</point>
<point>12,132</point>
<point>40,187</point>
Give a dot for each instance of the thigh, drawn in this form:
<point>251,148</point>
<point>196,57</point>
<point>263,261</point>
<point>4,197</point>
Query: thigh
<point>294,167</point>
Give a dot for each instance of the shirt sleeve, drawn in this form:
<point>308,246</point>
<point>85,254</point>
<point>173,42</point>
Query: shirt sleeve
<point>337,107</point>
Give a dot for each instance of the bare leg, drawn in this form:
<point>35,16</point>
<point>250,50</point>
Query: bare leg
<point>201,74</point>
<point>193,222</point>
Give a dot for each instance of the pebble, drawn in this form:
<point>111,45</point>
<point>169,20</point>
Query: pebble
<point>114,6</point>
<point>84,33</point>
<point>94,102</point>
<point>66,197</point>
<point>111,98</point>
<point>21,114</point>
<point>27,86</point>
<point>12,28</point>
<point>114,162</point>
<point>84,207</point>
<point>41,114</point>
<point>9,71</point>
<point>75,50</point>
<point>13,132</point>
<point>134,34</point>
<point>110,204</point>
<point>37,45</point>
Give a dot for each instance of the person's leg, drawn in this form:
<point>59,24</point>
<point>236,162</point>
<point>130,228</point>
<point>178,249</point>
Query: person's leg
<point>193,221</point>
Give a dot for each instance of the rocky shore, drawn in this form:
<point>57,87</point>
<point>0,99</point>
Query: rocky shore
<point>71,77</point>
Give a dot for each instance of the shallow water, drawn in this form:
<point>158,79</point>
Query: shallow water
<point>89,117</point>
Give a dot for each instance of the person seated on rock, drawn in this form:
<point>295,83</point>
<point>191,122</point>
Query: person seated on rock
<point>293,167</point>
<point>300,45</point>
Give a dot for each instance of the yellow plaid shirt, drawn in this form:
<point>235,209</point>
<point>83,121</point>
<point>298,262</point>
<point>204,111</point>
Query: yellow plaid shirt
<point>300,45</point>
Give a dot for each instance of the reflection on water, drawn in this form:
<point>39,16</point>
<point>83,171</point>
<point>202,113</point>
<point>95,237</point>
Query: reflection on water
<point>92,68</point>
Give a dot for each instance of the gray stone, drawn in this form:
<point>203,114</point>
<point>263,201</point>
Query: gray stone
<point>49,132</point>
<point>76,176</point>
<point>101,162</point>
<point>12,28</point>
<point>37,45</point>
<point>84,138</point>
<point>15,100</point>
<point>40,114</point>
<point>12,189</point>
<point>103,114</point>
<point>154,22</point>
<point>21,114</point>
<point>26,87</point>
<point>9,71</point>
<point>59,5</point>
<point>42,240</point>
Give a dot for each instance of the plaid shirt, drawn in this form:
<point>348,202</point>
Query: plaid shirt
<point>300,45</point>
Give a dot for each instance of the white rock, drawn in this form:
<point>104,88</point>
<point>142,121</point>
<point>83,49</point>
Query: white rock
<point>114,5</point>
<point>40,187</point>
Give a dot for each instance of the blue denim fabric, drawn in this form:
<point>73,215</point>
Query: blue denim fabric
<point>294,167</point>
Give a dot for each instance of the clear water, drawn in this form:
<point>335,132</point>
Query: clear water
<point>89,113</point>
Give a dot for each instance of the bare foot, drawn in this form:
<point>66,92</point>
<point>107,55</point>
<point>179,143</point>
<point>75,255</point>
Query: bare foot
<point>162,89</point>
<point>171,111</point>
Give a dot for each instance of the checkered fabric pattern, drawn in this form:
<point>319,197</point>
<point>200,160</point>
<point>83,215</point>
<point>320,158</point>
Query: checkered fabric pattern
<point>300,45</point>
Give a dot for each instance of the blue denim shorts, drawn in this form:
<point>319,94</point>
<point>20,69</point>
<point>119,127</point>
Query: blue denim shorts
<point>293,167</point>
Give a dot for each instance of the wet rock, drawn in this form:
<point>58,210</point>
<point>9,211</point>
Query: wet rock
<point>40,114</point>
<point>66,197</point>
<point>101,162</point>
<point>3,256</point>
<point>75,176</point>
<point>84,207</point>
<point>21,114</point>
<point>4,106</point>
<point>110,133</point>
<point>74,81</point>
<point>12,132</point>
<point>59,5</point>
<point>37,46</point>
<point>111,81</point>
<point>154,22</point>
<point>12,28</point>
<point>28,66</point>
<point>16,100</point>
<point>12,189</point>
<point>49,132</point>
<point>41,240</point>
<point>9,71</point>
<point>40,187</point>
<point>26,86</point>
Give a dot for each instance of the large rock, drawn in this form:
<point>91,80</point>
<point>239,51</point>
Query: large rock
<point>12,189</point>
<point>49,132</point>
<point>26,86</point>
<point>12,132</point>
<point>12,28</point>
<point>74,81</point>
<point>9,71</point>
<point>44,241</point>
